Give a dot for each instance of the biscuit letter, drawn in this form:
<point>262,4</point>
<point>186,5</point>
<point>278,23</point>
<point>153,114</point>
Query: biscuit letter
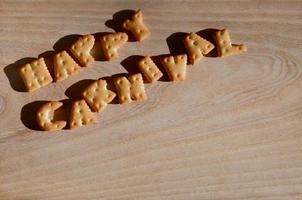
<point>197,47</point>
<point>64,66</point>
<point>225,46</point>
<point>149,69</point>
<point>35,74</point>
<point>130,89</point>
<point>45,117</point>
<point>98,96</point>
<point>175,66</point>
<point>136,26</point>
<point>81,115</point>
<point>111,43</point>
<point>81,49</point>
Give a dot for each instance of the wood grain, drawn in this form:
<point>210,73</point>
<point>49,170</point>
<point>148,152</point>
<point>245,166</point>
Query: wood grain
<point>231,131</point>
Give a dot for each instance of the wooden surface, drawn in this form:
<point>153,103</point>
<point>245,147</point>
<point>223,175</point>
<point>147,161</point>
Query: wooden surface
<point>232,131</point>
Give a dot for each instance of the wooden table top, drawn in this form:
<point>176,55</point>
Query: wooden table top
<point>231,131</point>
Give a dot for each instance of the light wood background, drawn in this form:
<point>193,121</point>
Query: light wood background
<point>232,130</point>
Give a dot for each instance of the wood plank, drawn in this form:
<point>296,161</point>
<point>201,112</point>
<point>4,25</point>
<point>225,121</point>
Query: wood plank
<point>232,130</point>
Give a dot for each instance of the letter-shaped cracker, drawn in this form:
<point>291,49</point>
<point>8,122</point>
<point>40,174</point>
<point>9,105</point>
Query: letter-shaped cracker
<point>111,43</point>
<point>175,66</point>
<point>132,89</point>
<point>35,74</point>
<point>81,115</point>
<point>149,69</point>
<point>197,47</point>
<point>224,45</point>
<point>45,117</point>
<point>81,49</point>
<point>64,66</point>
<point>98,96</point>
<point>136,26</point>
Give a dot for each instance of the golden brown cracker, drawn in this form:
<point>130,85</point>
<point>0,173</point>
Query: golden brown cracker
<point>64,66</point>
<point>81,49</point>
<point>224,45</point>
<point>175,66</point>
<point>136,26</point>
<point>149,69</point>
<point>81,115</point>
<point>111,43</point>
<point>97,95</point>
<point>35,74</point>
<point>45,116</point>
<point>196,47</point>
<point>130,89</point>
